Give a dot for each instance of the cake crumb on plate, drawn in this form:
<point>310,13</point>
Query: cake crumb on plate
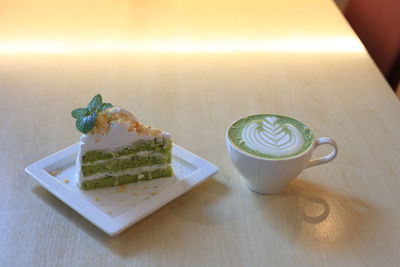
<point>121,188</point>
<point>55,172</point>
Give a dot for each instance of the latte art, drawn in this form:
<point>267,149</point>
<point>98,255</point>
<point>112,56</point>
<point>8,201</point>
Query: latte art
<point>272,137</point>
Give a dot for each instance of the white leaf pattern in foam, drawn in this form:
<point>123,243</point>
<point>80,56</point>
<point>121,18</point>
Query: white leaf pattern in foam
<point>274,137</point>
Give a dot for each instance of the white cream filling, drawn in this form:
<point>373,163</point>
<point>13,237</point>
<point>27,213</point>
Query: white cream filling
<point>125,172</point>
<point>139,154</point>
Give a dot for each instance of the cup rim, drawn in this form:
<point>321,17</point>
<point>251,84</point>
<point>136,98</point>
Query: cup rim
<point>262,158</point>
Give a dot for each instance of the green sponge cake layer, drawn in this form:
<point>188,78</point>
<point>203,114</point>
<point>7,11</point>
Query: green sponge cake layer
<point>126,178</point>
<point>143,158</point>
<point>156,145</point>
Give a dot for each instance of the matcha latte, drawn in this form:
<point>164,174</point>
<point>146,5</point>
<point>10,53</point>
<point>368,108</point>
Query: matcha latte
<point>270,136</point>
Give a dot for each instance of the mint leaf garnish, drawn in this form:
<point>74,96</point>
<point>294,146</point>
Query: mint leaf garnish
<point>86,123</point>
<point>95,104</point>
<point>105,106</point>
<point>86,117</point>
<point>79,112</point>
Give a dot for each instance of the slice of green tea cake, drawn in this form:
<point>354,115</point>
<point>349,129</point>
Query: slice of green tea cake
<point>116,149</point>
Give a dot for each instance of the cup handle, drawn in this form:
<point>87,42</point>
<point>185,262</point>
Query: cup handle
<point>327,158</point>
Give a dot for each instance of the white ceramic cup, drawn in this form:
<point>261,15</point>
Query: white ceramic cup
<point>270,176</point>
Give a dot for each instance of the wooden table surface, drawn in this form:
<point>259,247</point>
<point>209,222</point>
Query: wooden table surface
<point>191,67</point>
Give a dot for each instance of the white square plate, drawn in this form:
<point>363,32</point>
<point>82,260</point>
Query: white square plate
<point>113,209</point>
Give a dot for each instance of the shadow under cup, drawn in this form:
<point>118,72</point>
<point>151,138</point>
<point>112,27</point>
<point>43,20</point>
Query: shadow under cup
<point>270,175</point>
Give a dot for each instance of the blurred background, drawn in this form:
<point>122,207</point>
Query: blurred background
<point>64,27</point>
<point>377,24</point>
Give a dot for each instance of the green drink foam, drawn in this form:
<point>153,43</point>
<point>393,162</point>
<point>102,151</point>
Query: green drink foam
<point>271,136</point>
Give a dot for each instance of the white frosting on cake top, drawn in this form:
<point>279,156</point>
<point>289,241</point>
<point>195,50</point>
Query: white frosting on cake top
<point>120,111</point>
<point>117,127</point>
<point>117,136</point>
